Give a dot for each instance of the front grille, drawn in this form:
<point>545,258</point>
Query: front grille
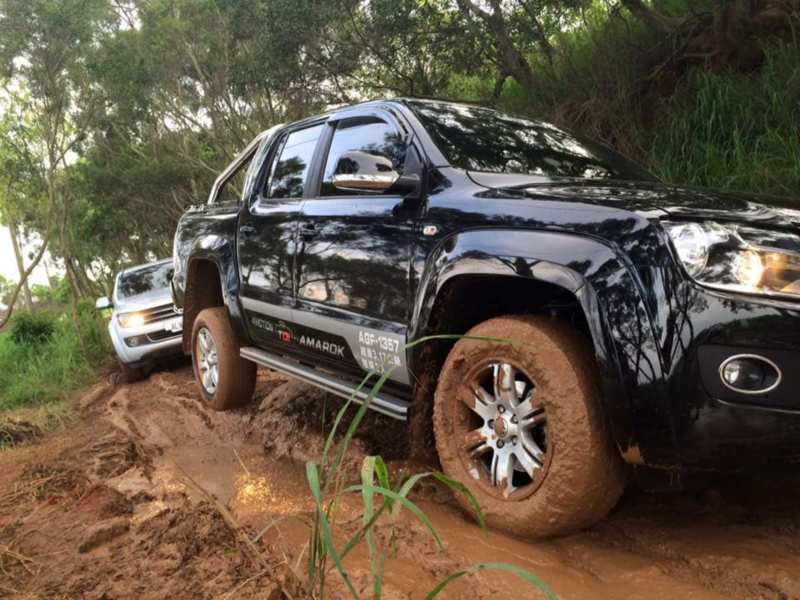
<point>159,313</point>
<point>160,336</point>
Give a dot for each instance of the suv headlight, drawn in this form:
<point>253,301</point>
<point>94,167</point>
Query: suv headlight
<point>133,319</point>
<point>739,258</point>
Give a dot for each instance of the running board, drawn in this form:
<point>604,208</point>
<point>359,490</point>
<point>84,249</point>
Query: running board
<point>382,403</point>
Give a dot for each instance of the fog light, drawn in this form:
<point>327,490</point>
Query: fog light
<point>750,374</point>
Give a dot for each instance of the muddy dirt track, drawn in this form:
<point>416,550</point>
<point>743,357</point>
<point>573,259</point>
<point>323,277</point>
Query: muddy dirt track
<point>131,503</point>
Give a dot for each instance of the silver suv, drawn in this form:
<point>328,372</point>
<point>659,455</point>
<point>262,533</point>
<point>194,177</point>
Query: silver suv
<point>144,325</point>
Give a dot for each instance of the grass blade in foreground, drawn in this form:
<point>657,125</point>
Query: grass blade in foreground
<point>532,579</point>
<point>313,482</point>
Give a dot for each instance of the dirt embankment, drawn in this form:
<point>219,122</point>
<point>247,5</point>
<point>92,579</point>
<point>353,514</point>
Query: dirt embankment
<point>151,495</point>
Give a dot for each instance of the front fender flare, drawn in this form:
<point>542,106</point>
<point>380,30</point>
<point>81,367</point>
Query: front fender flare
<point>608,291</point>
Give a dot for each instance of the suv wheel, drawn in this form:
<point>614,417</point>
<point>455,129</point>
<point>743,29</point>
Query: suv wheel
<point>226,380</point>
<point>521,425</point>
<point>131,374</point>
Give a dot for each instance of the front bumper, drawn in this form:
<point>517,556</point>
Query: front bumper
<point>665,340</point>
<point>714,426</point>
<point>137,346</point>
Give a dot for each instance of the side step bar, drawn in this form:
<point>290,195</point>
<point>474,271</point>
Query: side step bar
<point>382,403</point>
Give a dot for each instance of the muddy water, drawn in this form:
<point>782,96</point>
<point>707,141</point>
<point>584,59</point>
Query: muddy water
<point>731,542</point>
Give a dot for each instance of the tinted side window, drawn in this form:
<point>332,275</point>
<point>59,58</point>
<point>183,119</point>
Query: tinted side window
<point>291,169</point>
<point>369,135</point>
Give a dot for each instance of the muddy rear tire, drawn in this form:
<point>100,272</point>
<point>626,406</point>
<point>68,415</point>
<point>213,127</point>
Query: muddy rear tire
<point>131,374</point>
<point>522,427</point>
<point>225,379</point>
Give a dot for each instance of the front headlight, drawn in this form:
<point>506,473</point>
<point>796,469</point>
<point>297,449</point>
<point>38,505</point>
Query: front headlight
<point>739,258</point>
<point>131,319</point>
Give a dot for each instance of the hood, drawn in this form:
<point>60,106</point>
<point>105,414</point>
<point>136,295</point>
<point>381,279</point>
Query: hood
<point>151,299</point>
<point>674,201</point>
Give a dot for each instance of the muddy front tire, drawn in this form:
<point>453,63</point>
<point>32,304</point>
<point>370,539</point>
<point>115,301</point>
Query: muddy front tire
<point>521,425</point>
<point>131,374</point>
<point>226,380</point>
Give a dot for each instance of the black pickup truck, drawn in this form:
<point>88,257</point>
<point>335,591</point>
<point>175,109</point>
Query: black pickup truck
<point>618,320</point>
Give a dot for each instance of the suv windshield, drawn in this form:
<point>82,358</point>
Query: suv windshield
<point>145,279</point>
<point>480,139</point>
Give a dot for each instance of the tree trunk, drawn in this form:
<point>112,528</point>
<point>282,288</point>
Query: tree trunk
<point>26,290</point>
<point>65,246</point>
<point>28,271</point>
<point>47,273</point>
<point>511,59</point>
<point>652,19</point>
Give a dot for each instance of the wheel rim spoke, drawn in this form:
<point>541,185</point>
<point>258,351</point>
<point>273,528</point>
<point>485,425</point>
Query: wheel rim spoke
<point>502,469</point>
<point>203,340</point>
<point>505,390</point>
<point>529,462</point>
<point>214,376</point>
<point>207,379</point>
<point>480,402</point>
<point>531,412</point>
<point>531,448</point>
<point>476,443</point>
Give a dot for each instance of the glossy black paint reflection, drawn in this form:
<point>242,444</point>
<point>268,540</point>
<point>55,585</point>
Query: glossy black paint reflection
<point>355,255</point>
<point>481,139</point>
<point>382,262</point>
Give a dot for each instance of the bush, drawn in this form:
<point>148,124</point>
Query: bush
<point>32,328</point>
<point>44,369</point>
<point>736,131</point>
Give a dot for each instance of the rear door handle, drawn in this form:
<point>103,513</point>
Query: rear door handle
<point>247,230</point>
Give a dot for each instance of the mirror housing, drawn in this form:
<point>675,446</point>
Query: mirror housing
<point>103,303</point>
<point>360,171</point>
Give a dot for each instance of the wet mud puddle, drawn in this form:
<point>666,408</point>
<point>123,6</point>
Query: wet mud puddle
<point>154,458</point>
<point>651,547</point>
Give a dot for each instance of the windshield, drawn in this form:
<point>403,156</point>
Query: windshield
<point>145,279</point>
<point>480,139</point>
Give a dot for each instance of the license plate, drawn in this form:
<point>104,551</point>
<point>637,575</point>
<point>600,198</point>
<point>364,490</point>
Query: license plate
<point>174,326</point>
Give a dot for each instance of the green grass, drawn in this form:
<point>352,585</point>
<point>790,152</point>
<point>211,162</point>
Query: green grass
<point>382,499</point>
<point>41,373</point>
<point>735,131</point>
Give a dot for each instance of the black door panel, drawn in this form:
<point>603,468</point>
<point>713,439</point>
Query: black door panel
<point>267,234</point>
<point>354,246</point>
<point>355,255</point>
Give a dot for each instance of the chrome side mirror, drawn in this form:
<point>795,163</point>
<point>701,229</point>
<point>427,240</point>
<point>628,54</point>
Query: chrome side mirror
<point>359,171</point>
<point>103,303</point>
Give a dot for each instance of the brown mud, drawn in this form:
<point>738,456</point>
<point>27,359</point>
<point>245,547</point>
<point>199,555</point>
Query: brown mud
<point>159,494</point>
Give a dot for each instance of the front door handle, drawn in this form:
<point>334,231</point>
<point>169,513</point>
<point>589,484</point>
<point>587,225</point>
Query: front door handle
<point>247,230</point>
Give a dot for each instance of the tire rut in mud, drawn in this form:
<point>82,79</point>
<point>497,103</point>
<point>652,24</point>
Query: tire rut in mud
<point>122,464</point>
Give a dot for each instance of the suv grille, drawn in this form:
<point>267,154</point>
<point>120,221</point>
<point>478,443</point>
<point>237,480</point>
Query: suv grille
<point>159,313</point>
<point>159,336</point>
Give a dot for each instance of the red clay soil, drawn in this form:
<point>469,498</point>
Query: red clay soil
<point>151,496</point>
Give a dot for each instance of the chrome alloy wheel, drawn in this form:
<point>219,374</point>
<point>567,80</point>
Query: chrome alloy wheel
<point>207,362</point>
<point>504,431</point>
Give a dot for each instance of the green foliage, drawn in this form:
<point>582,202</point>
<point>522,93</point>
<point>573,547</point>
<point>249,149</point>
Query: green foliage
<point>325,482</point>
<point>31,328</point>
<point>6,290</point>
<point>735,131</point>
<point>46,370</point>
